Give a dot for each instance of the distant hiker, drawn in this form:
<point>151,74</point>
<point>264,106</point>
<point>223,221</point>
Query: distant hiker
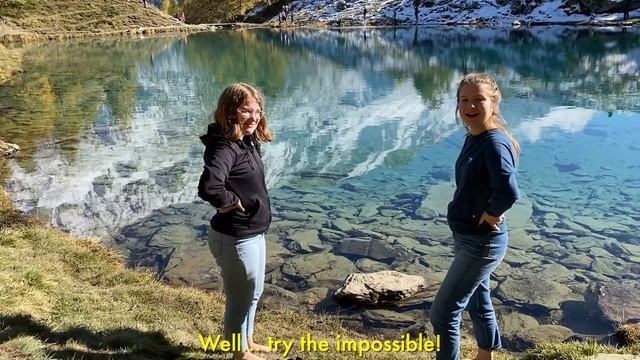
<point>144,2</point>
<point>416,9</point>
<point>364,15</point>
<point>291,16</point>
<point>182,17</point>
<point>394,17</point>
<point>627,6</point>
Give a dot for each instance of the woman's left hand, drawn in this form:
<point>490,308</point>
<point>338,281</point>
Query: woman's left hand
<point>493,221</point>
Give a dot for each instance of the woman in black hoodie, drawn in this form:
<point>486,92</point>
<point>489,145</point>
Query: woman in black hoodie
<point>233,181</point>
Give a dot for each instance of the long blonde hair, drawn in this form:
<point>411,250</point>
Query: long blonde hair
<point>226,116</point>
<point>496,97</point>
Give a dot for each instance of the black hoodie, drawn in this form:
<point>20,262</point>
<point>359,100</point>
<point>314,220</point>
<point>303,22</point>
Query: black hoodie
<point>232,171</point>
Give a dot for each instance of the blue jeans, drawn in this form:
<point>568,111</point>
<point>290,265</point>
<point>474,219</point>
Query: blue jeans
<point>466,285</point>
<point>242,263</point>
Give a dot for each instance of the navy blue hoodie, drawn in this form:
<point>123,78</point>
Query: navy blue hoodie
<point>234,170</point>
<point>485,182</point>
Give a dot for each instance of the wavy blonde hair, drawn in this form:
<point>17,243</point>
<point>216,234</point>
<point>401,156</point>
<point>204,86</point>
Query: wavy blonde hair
<point>226,115</point>
<point>496,97</point>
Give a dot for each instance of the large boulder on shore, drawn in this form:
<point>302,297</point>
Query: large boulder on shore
<point>379,288</point>
<point>617,302</point>
<point>8,150</point>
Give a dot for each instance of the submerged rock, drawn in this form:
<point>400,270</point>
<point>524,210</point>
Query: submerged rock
<point>527,338</point>
<point>435,203</point>
<point>305,241</point>
<point>615,301</point>
<point>372,248</point>
<point>317,270</point>
<point>533,290</point>
<point>378,288</point>
<point>387,319</point>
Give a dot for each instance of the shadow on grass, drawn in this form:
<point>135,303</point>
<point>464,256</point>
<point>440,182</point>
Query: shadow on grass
<point>113,344</point>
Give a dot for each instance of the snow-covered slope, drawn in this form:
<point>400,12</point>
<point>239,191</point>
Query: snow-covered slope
<point>438,12</point>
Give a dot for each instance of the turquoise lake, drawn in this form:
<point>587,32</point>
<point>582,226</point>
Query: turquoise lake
<point>361,170</point>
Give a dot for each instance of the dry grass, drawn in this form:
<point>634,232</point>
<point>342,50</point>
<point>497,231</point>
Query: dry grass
<point>629,334</point>
<point>29,20</point>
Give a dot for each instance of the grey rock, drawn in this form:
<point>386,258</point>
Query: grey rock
<point>618,302</point>
<point>585,243</point>
<point>519,215</point>
<point>517,257</point>
<point>533,289</point>
<point>512,322</point>
<point>277,298</point>
<point>379,288</point>
<point>305,241</point>
<point>611,267</point>
<point>367,233</point>
<point>331,236</point>
<point>316,297</point>
<point>318,270</point>
<point>387,319</point>
<point>372,248</point>
<point>526,339</point>
<point>275,253</point>
<point>437,263</point>
<point>368,211</point>
<point>341,224</point>
<point>369,266</point>
<point>520,239</point>
<point>599,225</point>
<point>293,216</point>
<point>391,213</point>
<point>576,261</point>
<point>435,203</point>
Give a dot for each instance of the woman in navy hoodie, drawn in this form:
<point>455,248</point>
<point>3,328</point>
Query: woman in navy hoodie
<point>486,187</point>
<point>233,181</point>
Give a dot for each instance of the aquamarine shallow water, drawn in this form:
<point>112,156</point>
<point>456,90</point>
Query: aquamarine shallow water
<point>366,142</point>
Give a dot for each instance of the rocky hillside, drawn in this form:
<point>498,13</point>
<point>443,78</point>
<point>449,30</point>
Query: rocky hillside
<point>24,20</point>
<point>437,12</point>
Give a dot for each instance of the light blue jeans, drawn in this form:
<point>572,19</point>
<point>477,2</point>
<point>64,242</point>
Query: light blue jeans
<point>466,285</point>
<point>242,264</point>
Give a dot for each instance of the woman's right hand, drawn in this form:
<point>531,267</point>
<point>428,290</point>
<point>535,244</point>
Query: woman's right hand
<point>493,221</point>
<point>237,205</point>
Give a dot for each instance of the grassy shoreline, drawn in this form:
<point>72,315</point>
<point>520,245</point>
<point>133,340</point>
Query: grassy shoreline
<point>63,297</point>
<point>68,297</point>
